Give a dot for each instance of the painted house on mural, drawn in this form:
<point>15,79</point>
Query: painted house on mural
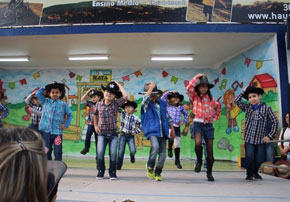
<point>265,81</point>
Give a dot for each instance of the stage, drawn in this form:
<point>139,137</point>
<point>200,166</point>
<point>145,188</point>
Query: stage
<point>80,185</point>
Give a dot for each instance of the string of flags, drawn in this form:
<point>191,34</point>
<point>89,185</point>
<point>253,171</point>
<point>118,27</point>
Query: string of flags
<point>174,79</point>
<point>259,63</point>
<point>22,82</point>
<point>127,77</point>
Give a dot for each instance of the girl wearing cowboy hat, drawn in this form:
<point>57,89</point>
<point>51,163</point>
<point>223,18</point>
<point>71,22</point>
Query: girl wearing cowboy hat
<point>96,96</point>
<point>206,111</point>
<point>175,110</point>
<point>257,116</point>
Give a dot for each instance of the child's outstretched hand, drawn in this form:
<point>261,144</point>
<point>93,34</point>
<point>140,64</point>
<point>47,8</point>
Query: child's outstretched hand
<point>199,75</point>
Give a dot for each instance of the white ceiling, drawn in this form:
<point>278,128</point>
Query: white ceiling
<point>128,50</point>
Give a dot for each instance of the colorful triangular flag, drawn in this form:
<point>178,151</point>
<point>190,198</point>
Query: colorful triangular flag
<point>11,85</point>
<point>36,75</point>
<point>164,73</point>
<point>126,78</point>
<point>79,77</point>
<point>247,62</point>
<point>23,82</point>
<point>138,73</point>
<point>259,64</point>
<point>174,79</point>
<point>72,75</point>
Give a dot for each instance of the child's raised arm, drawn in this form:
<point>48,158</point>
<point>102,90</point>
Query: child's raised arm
<point>83,98</point>
<point>124,93</point>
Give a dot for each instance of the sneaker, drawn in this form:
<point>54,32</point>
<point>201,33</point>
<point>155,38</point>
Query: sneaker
<point>100,175</point>
<point>257,176</point>
<point>113,176</point>
<point>132,158</point>
<point>85,150</point>
<point>158,177</point>
<point>249,177</point>
<point>170,155</point>
<point>210,177</point>
<point>150,172</point>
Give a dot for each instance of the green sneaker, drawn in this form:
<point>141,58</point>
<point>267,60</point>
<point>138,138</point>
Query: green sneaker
<point>150,173</point>
<point>158,177</point>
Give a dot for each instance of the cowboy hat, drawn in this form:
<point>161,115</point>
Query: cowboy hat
<point>175,95</point>
<point>113,88</point>
<point>96,92</point>
<point>154,92</point>
<point>267,168</point>
<point>280,172</point>
<point>252,89</point>
<point>129,103</point>
<point>56,85</point>
<point>204,81</point>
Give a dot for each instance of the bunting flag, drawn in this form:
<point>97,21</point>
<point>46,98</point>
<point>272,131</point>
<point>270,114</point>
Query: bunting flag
<point>36,75</point>
<point>126,78</point>
<point>247,62</point>
<point>12,85</point>
<point>138,73</point>
<point>216,80</point>
<point>174,79</point>
<point>72,75</point>
<point>164,73</point>
<point>79,77</point>
<point>186,82</point>
<point>259,64</point>
<point>224,71</point>
<point>23,82</point>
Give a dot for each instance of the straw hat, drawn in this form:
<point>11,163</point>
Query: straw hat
<point>280,172</point>
<point>267,169</point>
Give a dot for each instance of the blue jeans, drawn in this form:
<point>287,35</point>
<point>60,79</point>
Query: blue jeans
<point>122,145</point>
<point>103,140</point>
<point>51,140</point>
<point>90,131</point>
<point>158,146</point>
<point>255,156</point>
<point>269,152</point>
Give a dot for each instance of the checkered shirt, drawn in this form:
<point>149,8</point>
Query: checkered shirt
<point>175,112</point>
<point>256,121</point>
<point>4,111</point>
<point>107,115</point>
<point>35,117</point>
<point>203,107</point>
<point>130,123</point>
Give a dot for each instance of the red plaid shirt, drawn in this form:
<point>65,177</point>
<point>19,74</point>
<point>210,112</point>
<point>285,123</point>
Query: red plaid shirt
<point>107,115</point>
<point>203,107</point>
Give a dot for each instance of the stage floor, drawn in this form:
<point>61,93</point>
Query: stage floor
<point>80,185</point>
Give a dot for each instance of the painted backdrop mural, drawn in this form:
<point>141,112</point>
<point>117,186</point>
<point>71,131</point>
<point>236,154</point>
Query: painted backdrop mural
<point>259,64</point>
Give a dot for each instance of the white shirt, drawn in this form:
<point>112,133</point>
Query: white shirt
<point>286,137</point>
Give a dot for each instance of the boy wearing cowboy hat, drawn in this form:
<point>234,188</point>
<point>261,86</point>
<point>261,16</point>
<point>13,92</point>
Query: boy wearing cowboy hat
<point>130,126</point>
<point>105,123</point>
<point>156,123</point>
<point>96,96</point>
<point>175,110</point>
<point>56,116</point>
<point>256,135</point>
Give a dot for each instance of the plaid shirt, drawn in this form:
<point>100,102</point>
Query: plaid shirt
<point>92,111</point>
<point>4,111</point>
<point>53,114</point>
<point>35,112</point>
<point>145,104</point>
<point>256,121</point>
<point>175,112</point>
<point>130,123</point>
<point>107,115</point>
<point>203,107</point>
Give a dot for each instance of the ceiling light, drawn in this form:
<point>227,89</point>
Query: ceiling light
<point>14,59</point>
<point>89,57</point>
<point>172,58</point>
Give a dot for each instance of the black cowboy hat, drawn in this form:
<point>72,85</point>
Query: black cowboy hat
<point>129,103</point>
<point>113,88</point>
<point>252,89</point>
<point>154,92</point>
<point>96,92</point>
<point>204,81</point>
<point>59,86</point>
<point>176,95</point>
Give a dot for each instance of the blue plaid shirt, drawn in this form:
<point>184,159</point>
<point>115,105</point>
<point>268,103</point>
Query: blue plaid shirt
<point>4,111</point>
<point>53,114</point>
